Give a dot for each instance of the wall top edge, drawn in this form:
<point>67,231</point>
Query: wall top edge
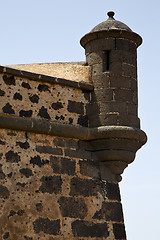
<point>46,79</point>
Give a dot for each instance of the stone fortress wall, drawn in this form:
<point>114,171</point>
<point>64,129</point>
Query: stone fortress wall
<point>50,187</point>
<point>66,135</point>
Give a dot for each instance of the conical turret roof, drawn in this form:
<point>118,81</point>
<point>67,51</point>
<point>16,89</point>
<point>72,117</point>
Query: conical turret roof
<point>111,24</point>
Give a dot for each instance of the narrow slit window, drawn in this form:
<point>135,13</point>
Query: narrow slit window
<point>107,60</point>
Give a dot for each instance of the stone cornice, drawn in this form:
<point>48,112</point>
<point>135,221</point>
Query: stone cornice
<point>113,146</point>
<point>132,36</point>
<point>71,131</point>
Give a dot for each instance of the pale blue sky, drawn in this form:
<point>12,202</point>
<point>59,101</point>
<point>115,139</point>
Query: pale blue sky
<point>49,31</point>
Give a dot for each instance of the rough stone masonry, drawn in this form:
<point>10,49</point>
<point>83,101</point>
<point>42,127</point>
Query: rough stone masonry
<point>64,144</point>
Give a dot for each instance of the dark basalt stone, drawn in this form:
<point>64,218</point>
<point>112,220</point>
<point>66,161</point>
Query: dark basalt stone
<point>34,98</point>
<point>47,226</point>
<point>4,192</point>
<point>17,96</point>
<point>72,207</point>
<point>70,120</point>
<point>2,93</point>
<point>119,231</point>
<point>23,113</point>
<point>43,88</point>
<point>57,105</point>
<point>110,211</point>
<point>12,157</point>
<point>62,165</point>
<point>8,109</point>
<point>24,145</point>
<point>49,150</point>
<point>43,113</point>
<point>82,228</point>
<point>6,235</point>
<point>61,117</point>
<point>9,80</point>
<point>75,107</point>
<point>26,85</point>
<point>38,161</point>
<point>85,187</point>
<point>83,121</point>
<point>51,184</point>
<point>26,172</point>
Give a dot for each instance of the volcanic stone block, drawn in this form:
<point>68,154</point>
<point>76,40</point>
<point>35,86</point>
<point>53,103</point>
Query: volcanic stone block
<point>97,69</point>
<point>12,157</point>
<point>24,145</point>
<point>126,45</point>
<point>92,108</point>
<point>26,172</point>
<point>129,120</point>
<point>9,80</point>
<point>2,93</point>
<point>113,106</point>
<point>119,231</point>
<point>36,160</point>
<point>132,109</point>
<point>109,119</point>
<point>51,184</point>
<point>133,84</point>
<point>24,113</point>
<point>75,107</point>
<point>82,228</point>
<point>113,192</point>
<point>94,58</point>
<point>124,95</point>
<point>26,85</point>
<point>8,109</point>
<point>57,105</point>
<point>117,81</point>
<point>123,56</point>
<point>129,70</point>
<point>102,95</point>
<point>43,113</point>
<point>77,153</point>
<point>43,87</point>
<point>110,211</point>
<point>62,165</point>
<point>85,187</point>
<point>47,226</point>
<point>116,68</point>
<point>101,81</point>
<point>73,207</point>
<point>17,96</point>
<point>49,150</point>
<point>34,98</point>
<point>83,121</point>
<point>89,168</point>
<point>100,45</point>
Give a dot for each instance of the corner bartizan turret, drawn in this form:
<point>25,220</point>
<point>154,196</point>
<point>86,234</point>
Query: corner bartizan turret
<point>111,52</point>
